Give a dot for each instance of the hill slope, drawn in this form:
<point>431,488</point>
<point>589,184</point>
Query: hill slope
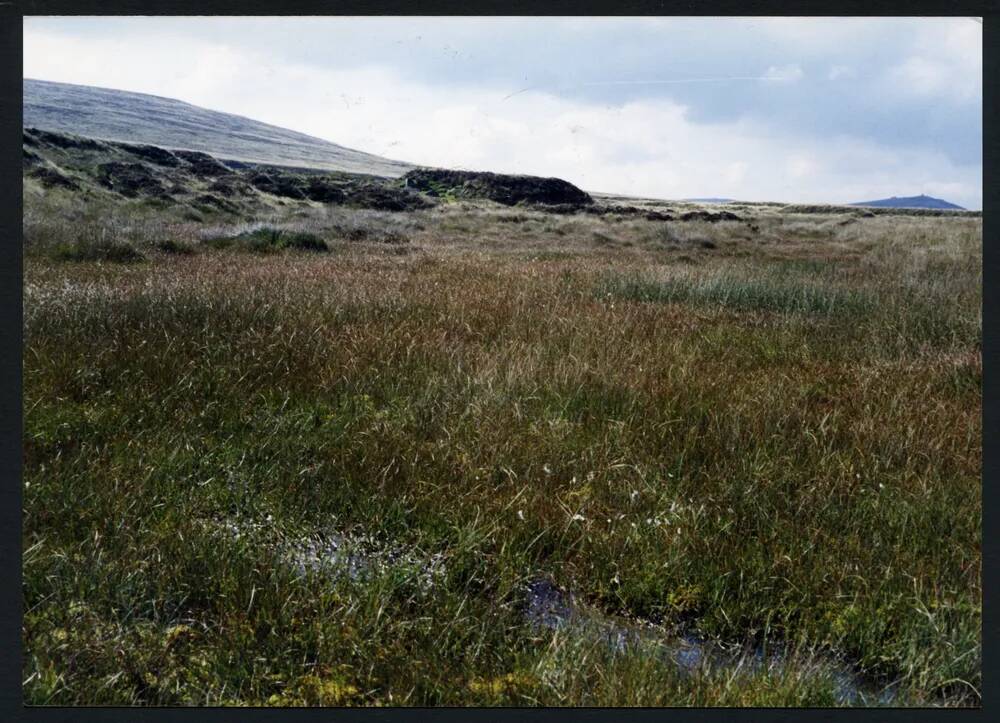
<point>139,118</point>
<point>920,201</point>
<point>154,176</point>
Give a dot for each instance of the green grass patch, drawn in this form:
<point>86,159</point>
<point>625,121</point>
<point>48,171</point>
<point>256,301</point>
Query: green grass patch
<point>771,295</point>
<point>268,239</point>
<point>109,250</point>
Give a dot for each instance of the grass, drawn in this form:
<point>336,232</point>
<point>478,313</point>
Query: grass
<point>268,239</point>
<point>779,296</point>
<point>98,247</point>
<point>178,248</point>
<point>774,439</point>
<point>119,114</point>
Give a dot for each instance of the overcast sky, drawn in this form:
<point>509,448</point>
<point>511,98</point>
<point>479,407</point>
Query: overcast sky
<point>815,110</point>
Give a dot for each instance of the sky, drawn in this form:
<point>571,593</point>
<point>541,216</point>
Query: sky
<point>812,110</point>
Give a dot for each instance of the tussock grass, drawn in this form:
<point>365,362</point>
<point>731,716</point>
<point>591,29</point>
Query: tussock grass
<point>114,251</point>
<point>92,244</point>
<point>775,439</point>
<point>179,248</point>
<point>268,239</point>
<point>780,296</point>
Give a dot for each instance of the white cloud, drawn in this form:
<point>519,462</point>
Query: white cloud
<point>801,166</point>
<point>928,78</point>
<point>840,71</point>
<point>945,61</point>
<point>644,147</point>
<point>920,76</point>
<point>735,172</point>
<point>812,37</point>
<point>785,73</point>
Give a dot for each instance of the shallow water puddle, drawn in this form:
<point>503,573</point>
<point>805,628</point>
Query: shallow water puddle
<point>551,608</point>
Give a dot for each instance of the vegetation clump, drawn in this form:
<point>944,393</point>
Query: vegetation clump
<point>130,179</point>
<point>277,184</point>
<point>204,165</point>
<point>323,190</point>
<point>176,248</point>
<point>381,197</point>
<point>269,239</point>
<point>211,202</point>
<point>303,241</point>
<point>112,250</point>
<point>709,216</point>
<point>153,154</point>
<point>51,177</point>
<point>501,188</point>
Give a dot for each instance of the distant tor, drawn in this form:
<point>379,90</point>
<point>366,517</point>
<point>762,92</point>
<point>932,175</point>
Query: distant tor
<point>911,202</point>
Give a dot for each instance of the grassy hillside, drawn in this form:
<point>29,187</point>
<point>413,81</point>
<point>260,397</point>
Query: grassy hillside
<point>313,453</point>
<point>192,183</point>
<point>140,118</point>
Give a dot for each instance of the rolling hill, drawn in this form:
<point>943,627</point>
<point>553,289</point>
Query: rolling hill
<point>920,201</point>
<point>139,118</point>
